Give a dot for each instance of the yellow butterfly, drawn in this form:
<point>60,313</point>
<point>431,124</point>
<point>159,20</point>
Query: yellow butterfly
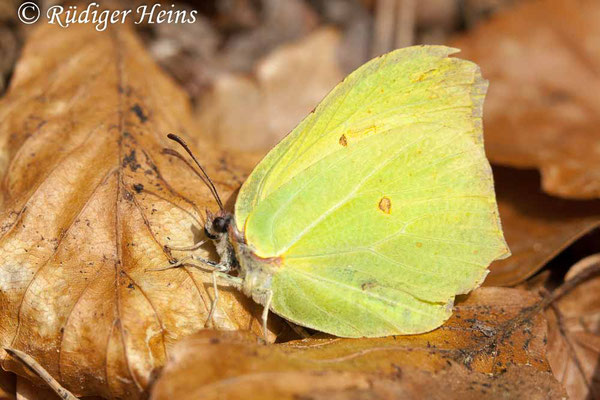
<point>377,210</point>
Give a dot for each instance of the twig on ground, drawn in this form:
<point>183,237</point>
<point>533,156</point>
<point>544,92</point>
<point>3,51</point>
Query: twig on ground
<point>31,364</point>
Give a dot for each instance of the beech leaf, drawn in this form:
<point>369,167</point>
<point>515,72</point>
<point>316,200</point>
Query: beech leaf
<point>89,202</point>
<point>537,226</point>
<point>493,345</point>
<point>543,110</point>
<point>574,335</point>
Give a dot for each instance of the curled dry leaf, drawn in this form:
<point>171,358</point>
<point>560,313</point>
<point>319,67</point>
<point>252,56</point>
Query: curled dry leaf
<point>537,227</point>
<point>88,203</point>
<point>255,113</point>
<point>574,335</point>
<point>543,110</point>
<point>492,345</point>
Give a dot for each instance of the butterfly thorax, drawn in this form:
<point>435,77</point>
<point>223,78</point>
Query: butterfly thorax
<point>255,273</point>
<point>217,230</point>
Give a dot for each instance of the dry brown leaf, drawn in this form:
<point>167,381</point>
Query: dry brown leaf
<point>492,345</point>
<point>542,59</point>
<point>453,382</point>
<point>89,201</point>
<point>537,227</point>
<point>574,336</point>
<point>253,113</point>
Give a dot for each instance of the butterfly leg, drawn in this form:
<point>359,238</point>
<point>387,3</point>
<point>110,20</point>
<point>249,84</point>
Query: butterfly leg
<point>213,305</point>
<point>187,248</point>
<point>265,313</point>
<point>232,280</point>
<point>180,262</point>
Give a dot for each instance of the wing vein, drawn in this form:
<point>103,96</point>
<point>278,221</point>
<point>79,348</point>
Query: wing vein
<point>371,311</point>
<point>368,294</point>
<point>356,188</point>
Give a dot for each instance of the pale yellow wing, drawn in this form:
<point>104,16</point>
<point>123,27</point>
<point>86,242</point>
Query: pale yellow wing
<point>380,204</point>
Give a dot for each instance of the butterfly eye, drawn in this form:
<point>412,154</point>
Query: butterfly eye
<point>220,224</point>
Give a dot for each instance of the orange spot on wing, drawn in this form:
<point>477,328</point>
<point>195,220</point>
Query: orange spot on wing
<point>385,205</point>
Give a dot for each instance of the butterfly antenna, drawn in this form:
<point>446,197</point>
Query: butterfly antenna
<point>177,154</point>
<point>209,181</point>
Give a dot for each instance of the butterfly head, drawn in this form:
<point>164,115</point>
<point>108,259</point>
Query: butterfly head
<point>217,225</point>
<point>219,228</point>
